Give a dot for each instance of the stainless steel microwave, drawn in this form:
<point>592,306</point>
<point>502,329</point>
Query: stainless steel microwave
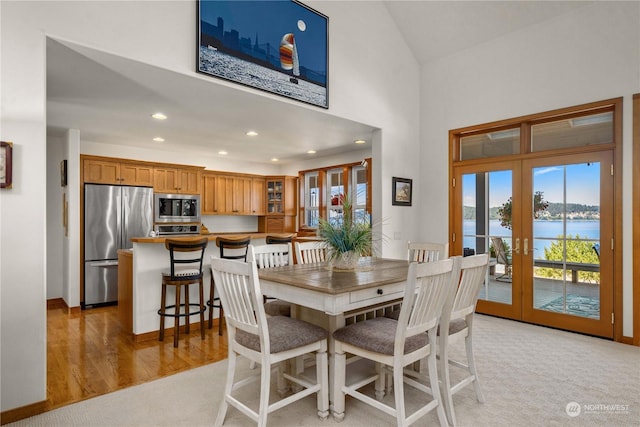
<point>176,208</point>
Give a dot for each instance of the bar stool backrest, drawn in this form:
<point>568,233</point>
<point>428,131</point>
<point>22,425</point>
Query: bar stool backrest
<point>236,248</point>
<point>276,240</point>
<point>186,257</point>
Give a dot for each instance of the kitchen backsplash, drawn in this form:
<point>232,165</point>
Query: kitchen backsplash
<point>230,223</point>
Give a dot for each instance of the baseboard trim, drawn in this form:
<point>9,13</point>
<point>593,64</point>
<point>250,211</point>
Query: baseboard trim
<point>54,303</point>
<point>17,414</point>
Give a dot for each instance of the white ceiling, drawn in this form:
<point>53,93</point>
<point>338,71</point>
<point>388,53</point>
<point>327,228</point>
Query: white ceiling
<point>110,99</point>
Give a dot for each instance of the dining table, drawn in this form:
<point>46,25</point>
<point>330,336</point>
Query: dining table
<point>326,296</point>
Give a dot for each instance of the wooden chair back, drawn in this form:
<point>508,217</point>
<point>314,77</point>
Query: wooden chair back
<point>239,289</point>
<point>473,272</point>
<point>271,255</point>
<point>235,247</point>
<point>429,286</point>
<point>277,239</point>
<point>428,252</point>
<point>186,257</point>
<point>310,252</point>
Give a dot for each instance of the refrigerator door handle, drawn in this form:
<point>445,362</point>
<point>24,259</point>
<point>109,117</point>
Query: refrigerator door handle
<point>119,219</point>
<point>125,220</point>
<point>103,264</point>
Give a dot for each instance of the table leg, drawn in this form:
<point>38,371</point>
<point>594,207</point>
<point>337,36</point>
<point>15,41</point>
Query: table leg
<point>335,323</point>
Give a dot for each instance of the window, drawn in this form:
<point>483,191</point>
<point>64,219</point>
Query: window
<point>360,190</point>
<point>335,193</point>
<point>311,199</point>
<point>325,189</point>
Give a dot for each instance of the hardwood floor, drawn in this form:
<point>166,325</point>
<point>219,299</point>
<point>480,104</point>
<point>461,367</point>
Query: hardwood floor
<point>89,355</point>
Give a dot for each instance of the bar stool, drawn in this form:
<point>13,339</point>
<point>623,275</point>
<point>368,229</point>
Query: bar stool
<point>236,248</point>
<point>186,269</point>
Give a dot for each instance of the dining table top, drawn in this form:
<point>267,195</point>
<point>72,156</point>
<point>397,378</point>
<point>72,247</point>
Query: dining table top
<point>320,277</point>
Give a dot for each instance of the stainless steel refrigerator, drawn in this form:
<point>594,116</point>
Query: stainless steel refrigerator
<point>113,214</point>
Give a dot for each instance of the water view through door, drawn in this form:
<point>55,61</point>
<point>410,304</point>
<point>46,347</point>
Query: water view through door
<point>541,222</point>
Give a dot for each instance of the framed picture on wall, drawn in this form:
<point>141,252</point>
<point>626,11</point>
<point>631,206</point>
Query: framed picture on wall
<point>6,164</point>
<point>402,191</point>
<point>275,46</point>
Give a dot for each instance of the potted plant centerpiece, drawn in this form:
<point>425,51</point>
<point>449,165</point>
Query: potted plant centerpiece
<point>347,239</point>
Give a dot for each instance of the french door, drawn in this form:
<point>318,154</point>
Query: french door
<point>547,223</point>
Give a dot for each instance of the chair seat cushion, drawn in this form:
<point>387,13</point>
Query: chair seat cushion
<point>456,325</point>
<point>278,308</point>
<point>378,335</point>
<point>183,272</point>
<point>285,334</point>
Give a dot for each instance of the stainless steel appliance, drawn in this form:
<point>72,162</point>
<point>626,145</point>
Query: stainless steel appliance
<point>177,208</point>
<point>167,229</point>
<point>113,214</point>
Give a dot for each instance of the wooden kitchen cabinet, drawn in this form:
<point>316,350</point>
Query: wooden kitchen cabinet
<point>258,194</point>
<point>100,171</point>
<point>232,194</point>
<point>209,205</point>
<point>281,205</point>
<point>176,180</point>
<point>281,195</point>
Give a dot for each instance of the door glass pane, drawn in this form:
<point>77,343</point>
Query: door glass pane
<point>490,144</point>
<point>575,132</point>
<point>335,194</point>
<point>312,199</point>
<point>566,239</point>
<point>487,227</point>
<point>359,199</point>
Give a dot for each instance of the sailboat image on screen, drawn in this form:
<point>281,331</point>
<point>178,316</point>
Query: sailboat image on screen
<point>289,56</point>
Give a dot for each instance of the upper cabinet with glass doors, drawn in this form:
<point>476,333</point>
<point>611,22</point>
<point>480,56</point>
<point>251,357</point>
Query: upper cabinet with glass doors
<point>281,195</point>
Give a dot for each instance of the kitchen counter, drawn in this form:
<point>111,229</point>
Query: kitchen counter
<point>211,236</point>
<point>150,259</point>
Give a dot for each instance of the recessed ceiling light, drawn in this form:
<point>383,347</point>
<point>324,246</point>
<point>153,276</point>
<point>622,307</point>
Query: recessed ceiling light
<point>222,153</point>
<point>159,116</point>
<point>275,159</point>
<point>360,141</point>
<point>252,133</point>
<point>158,139</point>
<point>311,152</point>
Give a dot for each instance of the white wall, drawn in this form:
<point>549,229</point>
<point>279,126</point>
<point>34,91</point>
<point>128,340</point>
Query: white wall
<point>56,152</point>
<point>589,55</point>
<point>364,87</point>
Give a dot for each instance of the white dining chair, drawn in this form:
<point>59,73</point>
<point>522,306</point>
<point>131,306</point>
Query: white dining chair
<point>310,252</point>
<point>427,251</point>
<point>266,341</point>
<point>399,343</point>
<point>270,256</point>
<point>457,319</point>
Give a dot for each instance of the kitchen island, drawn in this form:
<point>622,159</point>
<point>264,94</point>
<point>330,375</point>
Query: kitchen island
<point>150,258</point>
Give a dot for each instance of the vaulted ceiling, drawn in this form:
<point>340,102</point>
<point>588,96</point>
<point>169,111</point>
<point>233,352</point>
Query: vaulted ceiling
<point>110,99</point>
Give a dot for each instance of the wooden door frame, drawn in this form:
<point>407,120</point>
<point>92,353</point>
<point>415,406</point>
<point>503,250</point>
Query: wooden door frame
<point>602,326</point>
<point>616,105</point>
<point>513,310</point>
<point>636,219</point>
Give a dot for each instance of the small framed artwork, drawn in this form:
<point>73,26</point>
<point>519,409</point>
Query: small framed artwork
<point>63,173</point>
<point>402,189</point>
<point>6,164</point>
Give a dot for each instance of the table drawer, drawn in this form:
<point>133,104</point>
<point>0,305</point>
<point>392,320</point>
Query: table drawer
<point>395,290</point>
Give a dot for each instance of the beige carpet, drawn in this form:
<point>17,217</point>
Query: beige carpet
<point>529,375</point>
